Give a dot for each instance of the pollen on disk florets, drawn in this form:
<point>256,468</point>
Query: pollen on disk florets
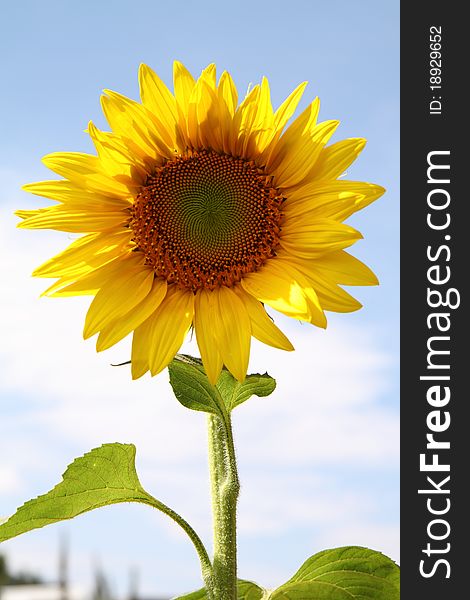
<point>205,219</point>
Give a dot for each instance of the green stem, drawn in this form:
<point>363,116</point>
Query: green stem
<point>206,566</point>
<point>225,488</point>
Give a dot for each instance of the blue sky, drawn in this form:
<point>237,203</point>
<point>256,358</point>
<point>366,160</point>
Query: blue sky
<point>319,460</point>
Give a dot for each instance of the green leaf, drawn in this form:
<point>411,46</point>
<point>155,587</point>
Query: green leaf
<point>106,475</point>
<point>247,590</point>
<point>348,573</point>
<point>235,393</point>
<point>193,390</point>
<point>191,386</point>
<point>198,595</point>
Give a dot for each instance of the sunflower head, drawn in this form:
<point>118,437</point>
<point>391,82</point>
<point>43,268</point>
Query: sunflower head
<point>197,211</point>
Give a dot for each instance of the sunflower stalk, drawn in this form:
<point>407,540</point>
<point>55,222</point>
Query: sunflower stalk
<point>225,487</point>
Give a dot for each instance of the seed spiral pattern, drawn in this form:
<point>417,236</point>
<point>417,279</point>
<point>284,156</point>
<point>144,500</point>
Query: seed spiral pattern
<point>205,219</point>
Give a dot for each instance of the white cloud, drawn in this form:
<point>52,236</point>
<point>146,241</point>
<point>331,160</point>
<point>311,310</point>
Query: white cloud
<point>9,480</point>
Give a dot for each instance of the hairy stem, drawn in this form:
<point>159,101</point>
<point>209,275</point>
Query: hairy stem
<point>225,488</point>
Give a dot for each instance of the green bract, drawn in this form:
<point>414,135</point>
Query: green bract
<point>192,388</point>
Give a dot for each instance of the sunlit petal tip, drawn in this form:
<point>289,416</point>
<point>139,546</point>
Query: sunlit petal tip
<point>209,75</point>
<point>39,272</point>
<point>143,68</point>
<point>26,222</point>
<point>360,144</point>
<point>47,158</point>
<point>179,69</point>
<point>378,191</point>
<point>322,323</point>
<point>111,95</point>
<point>100,347</point>
<point>289,347</point>
<point>145,75</point>
<point>22,214</point>
<point>92,130</point>
<point>138,371</point>
<point>213,377</point>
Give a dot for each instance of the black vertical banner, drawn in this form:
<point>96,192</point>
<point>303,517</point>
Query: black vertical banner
<point>435,267</point>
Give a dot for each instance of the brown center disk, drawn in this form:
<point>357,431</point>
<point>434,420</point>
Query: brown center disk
<point>206,219</point>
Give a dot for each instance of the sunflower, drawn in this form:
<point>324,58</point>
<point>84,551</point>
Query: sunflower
<point>197,212</point>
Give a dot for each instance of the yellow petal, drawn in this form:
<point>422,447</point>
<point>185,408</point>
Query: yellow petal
<point>240,120</point>
<point>228,99</point>
<point>85,170</point>
<point>316,314</point>
<point>117,297</point>
<point>72,165</point>
<point>335,159</point>
<point>232,330</point>
<point>256,118</point>
<point>280,119</point>
<point>287,108</point>
<point>130,120</point>
<point>300,127</point>
<point>262,326</point>
<point>158,99</point>
<point>335,299</point>
<point>140,349</point>
<point>63,218</point>
<point>69,192</point>
<point>169,325</point>
<point>310,239</point>
<point>227,92</point>
<point>301,154</point>
<point>285,288</point>
<point>209,75</point>
<point>85,254</point>
<point>123,325</point>
<point>345,269</point>
<point>89,282</point>
<point>203,122</point>
<point>115,157</point>
<point>208,116</point>
<point>259,127</point>
<point>203,325</point>
<point>330,295</point>
<point>184,83</point>
<point>337,199</point>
